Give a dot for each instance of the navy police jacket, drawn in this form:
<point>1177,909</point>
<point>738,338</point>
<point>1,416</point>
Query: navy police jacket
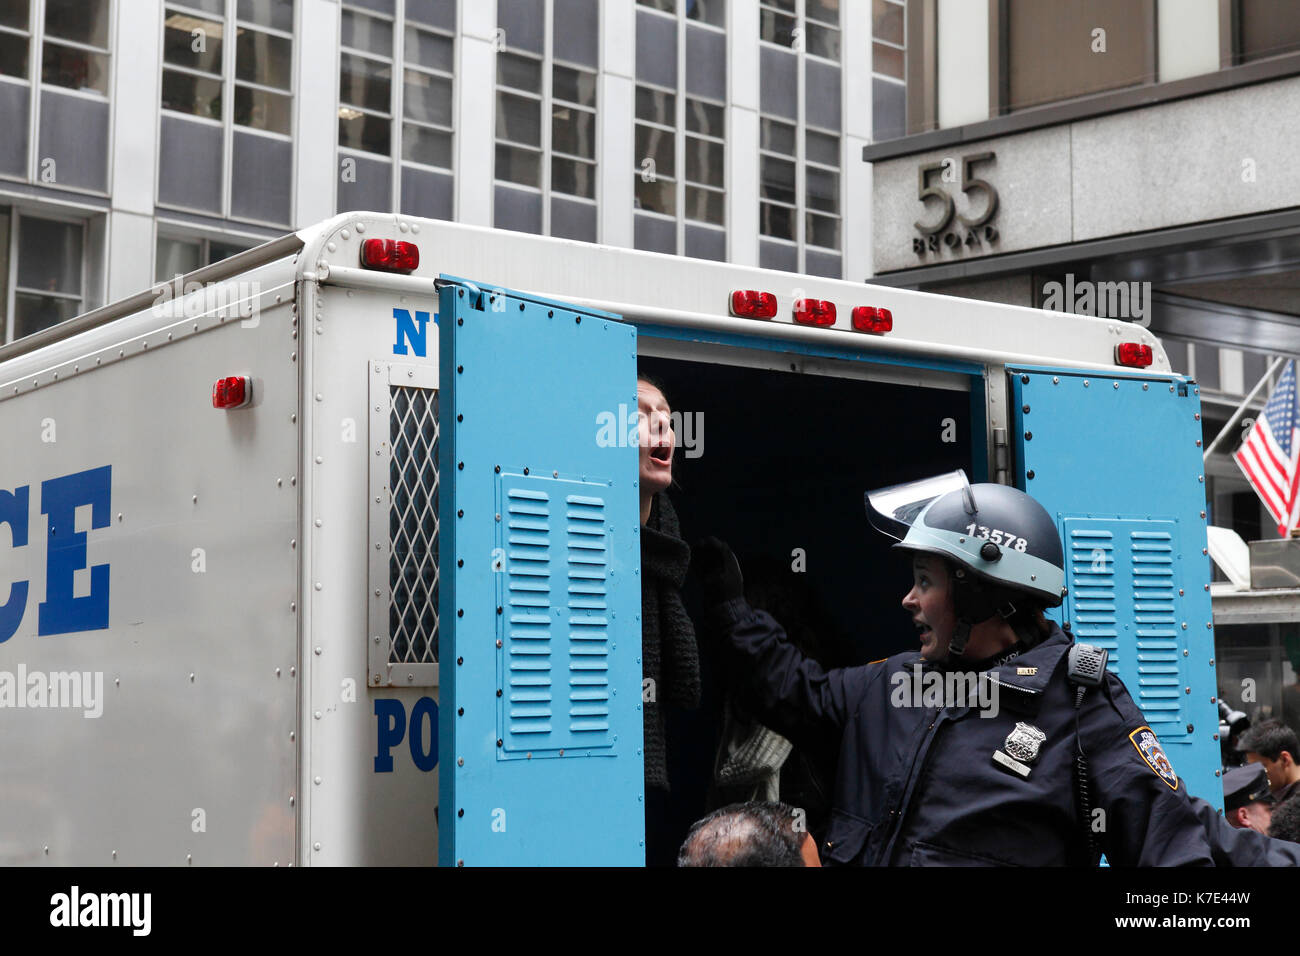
<point>921,784</point>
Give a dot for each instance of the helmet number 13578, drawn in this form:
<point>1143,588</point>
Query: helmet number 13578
<point>997,537</point>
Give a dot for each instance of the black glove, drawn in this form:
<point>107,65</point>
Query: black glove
<point>719,571</point>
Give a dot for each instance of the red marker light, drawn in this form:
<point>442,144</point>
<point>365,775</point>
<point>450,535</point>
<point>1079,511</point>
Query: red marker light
<point>753,305</point>
<point>233,392</point>
<point>867,318</point>
<point>390,255</point>
<point>1133,355</point>
<point>814,312</point>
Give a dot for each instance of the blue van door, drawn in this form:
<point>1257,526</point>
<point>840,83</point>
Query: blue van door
<point>540,600</point>
<point>1117,461</point>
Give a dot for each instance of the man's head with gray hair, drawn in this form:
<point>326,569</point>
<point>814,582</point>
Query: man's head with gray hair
<point>745,834</point>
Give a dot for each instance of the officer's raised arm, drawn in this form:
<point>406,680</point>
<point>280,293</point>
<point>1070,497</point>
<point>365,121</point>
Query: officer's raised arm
<point>794,693</point>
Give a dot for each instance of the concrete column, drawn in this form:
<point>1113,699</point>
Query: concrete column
<point>133,161</point>
<point>475,112</point>
<point>1187,40</point>
<point>615,121</point>
<point>316,115</point>
<point>742,133</point>
<point>963,61</point>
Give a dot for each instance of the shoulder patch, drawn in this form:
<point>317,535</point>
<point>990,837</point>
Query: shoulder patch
<point>1144,739</point>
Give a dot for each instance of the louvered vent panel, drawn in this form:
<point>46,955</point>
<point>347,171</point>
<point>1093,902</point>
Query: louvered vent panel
<point>556,627</point>
<point>588,614</point>
<point>528,645</point>
<point>1092,589</point>
<point>1123,596</point>
<point>1159,686</point>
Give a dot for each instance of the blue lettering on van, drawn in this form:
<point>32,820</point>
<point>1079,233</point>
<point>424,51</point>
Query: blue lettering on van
<point>13,512</point>
<point>412,331</point>
<point>60,612</point>
<point>391,728</point>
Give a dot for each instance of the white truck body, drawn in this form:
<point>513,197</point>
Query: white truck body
<point>249,710</point>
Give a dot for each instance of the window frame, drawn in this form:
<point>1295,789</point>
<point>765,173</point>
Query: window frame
<point>167,231</point>
<point>682,133</point>
<point>801,209</point>
<point>546,98</point>
<point>231,24</point>
<point>35,83</point>
<point>16,214</point>
<point>396,115</point>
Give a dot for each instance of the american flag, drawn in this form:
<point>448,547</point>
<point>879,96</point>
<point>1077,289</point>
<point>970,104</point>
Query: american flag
<point>1271,452</point>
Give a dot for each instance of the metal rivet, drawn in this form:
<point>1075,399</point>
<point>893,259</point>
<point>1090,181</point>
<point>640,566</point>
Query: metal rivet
<point>1187,690</point>
<point>1025,409</point>
<point>498,692</point>
<point>1117,384</point>
<point>460,466</point>
<point>460,512</point>
<point>460,812</point>
<point>1024,380</point>
<point>498,642</point>
<point>1030,474</point>
<point>460,612</point>
<point>1197,416</point>
<point>1029,436</point>
<point>1086,383</point>
<point>460,661</point>
<point>460,712</point>
<point>1145,386</point>
<point>460,368</point>
<point>1056,380</point>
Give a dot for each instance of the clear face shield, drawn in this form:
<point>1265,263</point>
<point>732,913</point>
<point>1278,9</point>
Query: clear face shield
<point>893,510</point>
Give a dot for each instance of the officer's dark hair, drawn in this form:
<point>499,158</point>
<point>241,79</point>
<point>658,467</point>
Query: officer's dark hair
<point>1269,739</point>
<point>1285,823</point>
<point>744,834</point>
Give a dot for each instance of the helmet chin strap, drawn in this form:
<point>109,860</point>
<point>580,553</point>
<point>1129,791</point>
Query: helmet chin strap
<point>973,605</point>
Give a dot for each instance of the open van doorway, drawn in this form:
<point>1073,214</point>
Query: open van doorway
<point>775,462</point>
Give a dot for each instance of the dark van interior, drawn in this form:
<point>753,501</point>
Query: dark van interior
<point>779,468</point>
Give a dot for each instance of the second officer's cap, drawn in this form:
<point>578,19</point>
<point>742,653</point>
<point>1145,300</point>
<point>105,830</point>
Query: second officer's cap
<point>1245,785</point>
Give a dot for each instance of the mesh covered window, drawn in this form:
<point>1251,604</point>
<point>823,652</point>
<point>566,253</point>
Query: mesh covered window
<point>404,526</point>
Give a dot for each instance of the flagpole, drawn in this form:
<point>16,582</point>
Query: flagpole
<point>1236,416</point>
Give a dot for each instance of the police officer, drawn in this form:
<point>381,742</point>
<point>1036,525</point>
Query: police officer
<point>1049,763</point>
<point>1247,801</point>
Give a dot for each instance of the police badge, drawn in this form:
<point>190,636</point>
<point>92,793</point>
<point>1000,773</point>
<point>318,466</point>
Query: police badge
<point>1021,748</point>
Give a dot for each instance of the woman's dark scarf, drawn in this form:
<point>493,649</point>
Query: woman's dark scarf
<point>670,658</point>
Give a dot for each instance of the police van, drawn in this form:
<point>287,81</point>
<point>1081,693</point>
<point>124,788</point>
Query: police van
<point>329,553</point>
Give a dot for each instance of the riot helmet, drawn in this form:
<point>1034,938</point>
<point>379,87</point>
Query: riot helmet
<point>1002,544</point>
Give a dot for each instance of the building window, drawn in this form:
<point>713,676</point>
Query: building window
<point>681,95</point>
<point>227,100</point>
<point>175,256</point>
<point>799,137</point>
<point>1059,50</point>
<point>65,104</point>
<point>546,156</point>
<point>44,272</point>
<point>396,76</point>
<point>888,75</point>
<point>1265,28</point>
